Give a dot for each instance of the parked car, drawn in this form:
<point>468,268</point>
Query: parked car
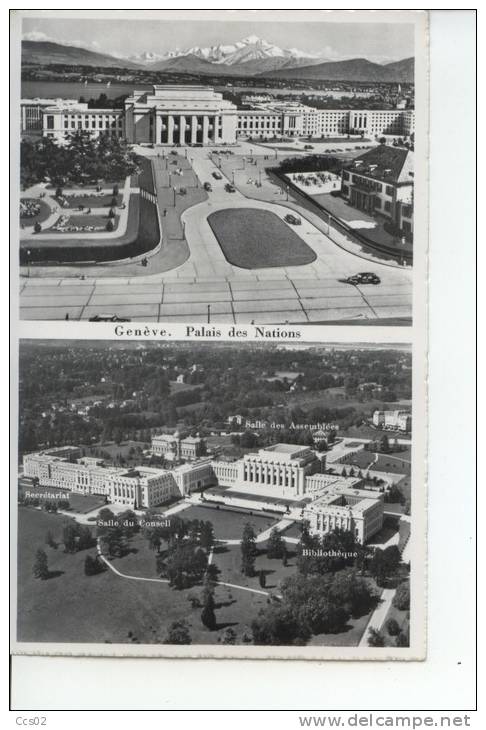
<point>207,186</point>
<point>108,318</point>
<point>292,219</point>
<point>364,278</point>
<point>308,146</point>
<point>229,188</point>
<point>217,175</point>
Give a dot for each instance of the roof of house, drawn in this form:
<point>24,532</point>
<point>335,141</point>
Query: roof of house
<point>390,164</point>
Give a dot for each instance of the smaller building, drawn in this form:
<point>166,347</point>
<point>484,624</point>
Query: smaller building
<point>342,507</point>
<point>60,120</point>
<point>177,446</point>
<point>380,182</point>
<point>393,420</point>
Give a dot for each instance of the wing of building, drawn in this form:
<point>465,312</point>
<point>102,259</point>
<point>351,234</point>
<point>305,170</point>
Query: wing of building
<point>198,115</point>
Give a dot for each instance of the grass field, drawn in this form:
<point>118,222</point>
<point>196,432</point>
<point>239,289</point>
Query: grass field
<point>92,201</point>
<point>106,608</point>
<point>256,239</point>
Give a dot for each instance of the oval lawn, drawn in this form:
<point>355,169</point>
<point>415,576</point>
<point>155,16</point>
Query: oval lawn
<point>256,239</point>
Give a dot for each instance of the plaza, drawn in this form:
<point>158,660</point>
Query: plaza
<point>192,272</point>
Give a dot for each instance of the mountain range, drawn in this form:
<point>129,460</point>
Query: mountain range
<point>251,56</point>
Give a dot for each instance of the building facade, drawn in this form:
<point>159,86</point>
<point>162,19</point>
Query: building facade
<point>198,115</point>
<point>393,420</point>
<point>138,487</point>
<point>185,115</point>
<point>343,508</point>
<point>381,182</point>
<point>175,447</point>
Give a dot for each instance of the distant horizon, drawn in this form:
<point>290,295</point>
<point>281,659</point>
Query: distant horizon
<point>377,42</point>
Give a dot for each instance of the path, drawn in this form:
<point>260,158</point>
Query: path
<point>378,615</point>
<point>117,572</point>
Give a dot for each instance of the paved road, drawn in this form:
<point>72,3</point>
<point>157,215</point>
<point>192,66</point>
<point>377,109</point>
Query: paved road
<point>300,294</point>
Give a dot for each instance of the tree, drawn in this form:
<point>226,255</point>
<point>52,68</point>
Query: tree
<point>375,638</point>
<point>403,639</point>
<point>229,636</point>
<point>114,202</point>
<point>207,614</point>
<point>111,213</point>
<point>261,579</point>
<point>401,599</point>
<point>178,633</point>
<point>91,565</point>
<point>206,536</point>
<point>110,226</point>
<point>248,550</point>
<point>37,227</point>
<point>69,535</point>
<point>276,545</point>
<point>392,627</point>
<point>277,625</point>
<point>40,568</point>
<point>50,540</point>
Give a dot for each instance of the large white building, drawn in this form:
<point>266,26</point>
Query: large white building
<point>393,420</point>
<point>295,472</point>
<point>341,507</point>
<point>138,487</point>
<point>198,115</point>
<point>178,446</point>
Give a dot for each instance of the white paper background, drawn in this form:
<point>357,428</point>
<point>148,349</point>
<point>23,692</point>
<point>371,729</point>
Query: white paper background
<point>446,680</point>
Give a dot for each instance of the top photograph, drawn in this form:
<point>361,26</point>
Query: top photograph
<point>217,172</point>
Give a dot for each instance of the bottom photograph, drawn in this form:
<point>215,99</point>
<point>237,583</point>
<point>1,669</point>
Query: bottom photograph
<point>214,497</point>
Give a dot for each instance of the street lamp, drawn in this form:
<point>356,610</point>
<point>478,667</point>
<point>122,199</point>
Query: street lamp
<point>287,191</point>
<point>260,177</point>
<point>174,197</point>
<point>233,176</point>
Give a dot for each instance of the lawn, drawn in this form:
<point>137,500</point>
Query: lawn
<point>42,215</point>
<point>92,201</point>
<point>228,524</point>
<point>256,239</point>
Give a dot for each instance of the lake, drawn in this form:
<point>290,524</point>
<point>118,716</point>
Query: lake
<point>73,90</point>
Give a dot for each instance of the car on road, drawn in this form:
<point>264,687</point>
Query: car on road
<point>229,188</point>
<point>108,318</point>
<point>207,186</point>
<point>292,219</point>
<point>217,175</point>
<point>366,277</point>
<point>308,146</point>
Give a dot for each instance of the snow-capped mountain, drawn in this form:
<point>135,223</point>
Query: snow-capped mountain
<point>251,48</point>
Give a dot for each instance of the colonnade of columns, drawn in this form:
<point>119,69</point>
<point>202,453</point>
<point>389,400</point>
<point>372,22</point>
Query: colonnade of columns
<point>187,128</point>
<point>273,475</point>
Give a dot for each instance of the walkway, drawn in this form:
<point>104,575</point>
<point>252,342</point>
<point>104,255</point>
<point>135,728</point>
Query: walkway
<point>117,572</point>
<point>378,616</point>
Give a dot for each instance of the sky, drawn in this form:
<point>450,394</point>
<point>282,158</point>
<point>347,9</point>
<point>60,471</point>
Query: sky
<point>334,41</point>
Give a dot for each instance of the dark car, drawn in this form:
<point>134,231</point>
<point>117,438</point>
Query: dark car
<point>364,278</point>
<point>229,188</point>
<point>207,186</point>
<point>292,219</point>
<point>217,175</point>
<point>108,318</point>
